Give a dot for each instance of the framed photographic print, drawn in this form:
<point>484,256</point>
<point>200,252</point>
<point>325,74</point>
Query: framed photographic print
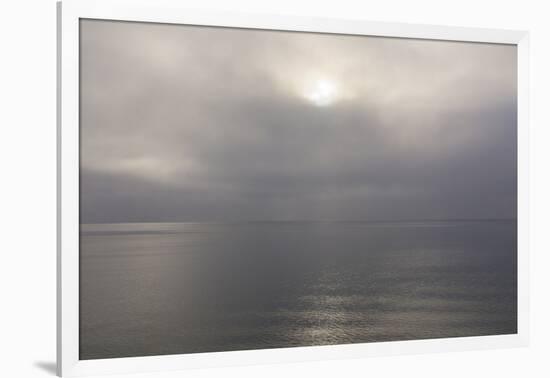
<point>243,188</point>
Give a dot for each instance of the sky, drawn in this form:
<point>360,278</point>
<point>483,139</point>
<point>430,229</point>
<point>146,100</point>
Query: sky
<point>190,123</point>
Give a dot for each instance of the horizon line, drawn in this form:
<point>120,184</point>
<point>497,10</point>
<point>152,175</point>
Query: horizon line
<point>317,221</point>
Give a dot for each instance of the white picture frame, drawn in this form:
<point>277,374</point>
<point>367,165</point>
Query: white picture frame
<point>170,11</point>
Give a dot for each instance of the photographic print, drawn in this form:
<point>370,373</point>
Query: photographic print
<point>253,189</point>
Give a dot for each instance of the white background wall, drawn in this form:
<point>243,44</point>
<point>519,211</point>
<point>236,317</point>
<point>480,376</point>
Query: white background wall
<point>27,177</point>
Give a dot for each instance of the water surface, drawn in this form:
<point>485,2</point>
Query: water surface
<point>171,288</point>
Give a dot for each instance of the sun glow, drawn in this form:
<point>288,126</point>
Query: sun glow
<point>322,93</point>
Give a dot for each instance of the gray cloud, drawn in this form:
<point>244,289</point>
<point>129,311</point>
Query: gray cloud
<point>185,123</point>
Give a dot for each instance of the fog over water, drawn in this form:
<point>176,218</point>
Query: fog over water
<point>248,189</point>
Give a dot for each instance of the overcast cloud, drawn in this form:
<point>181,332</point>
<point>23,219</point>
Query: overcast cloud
<point>186,123</point>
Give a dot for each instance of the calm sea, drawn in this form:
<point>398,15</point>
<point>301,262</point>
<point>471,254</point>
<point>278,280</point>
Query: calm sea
<point>171,288</point>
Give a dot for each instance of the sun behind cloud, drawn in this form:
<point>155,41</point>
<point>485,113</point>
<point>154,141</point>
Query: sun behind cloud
<point>322,92</point>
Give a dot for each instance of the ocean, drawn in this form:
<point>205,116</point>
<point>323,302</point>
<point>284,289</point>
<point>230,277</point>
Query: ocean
<point>173,288</point>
